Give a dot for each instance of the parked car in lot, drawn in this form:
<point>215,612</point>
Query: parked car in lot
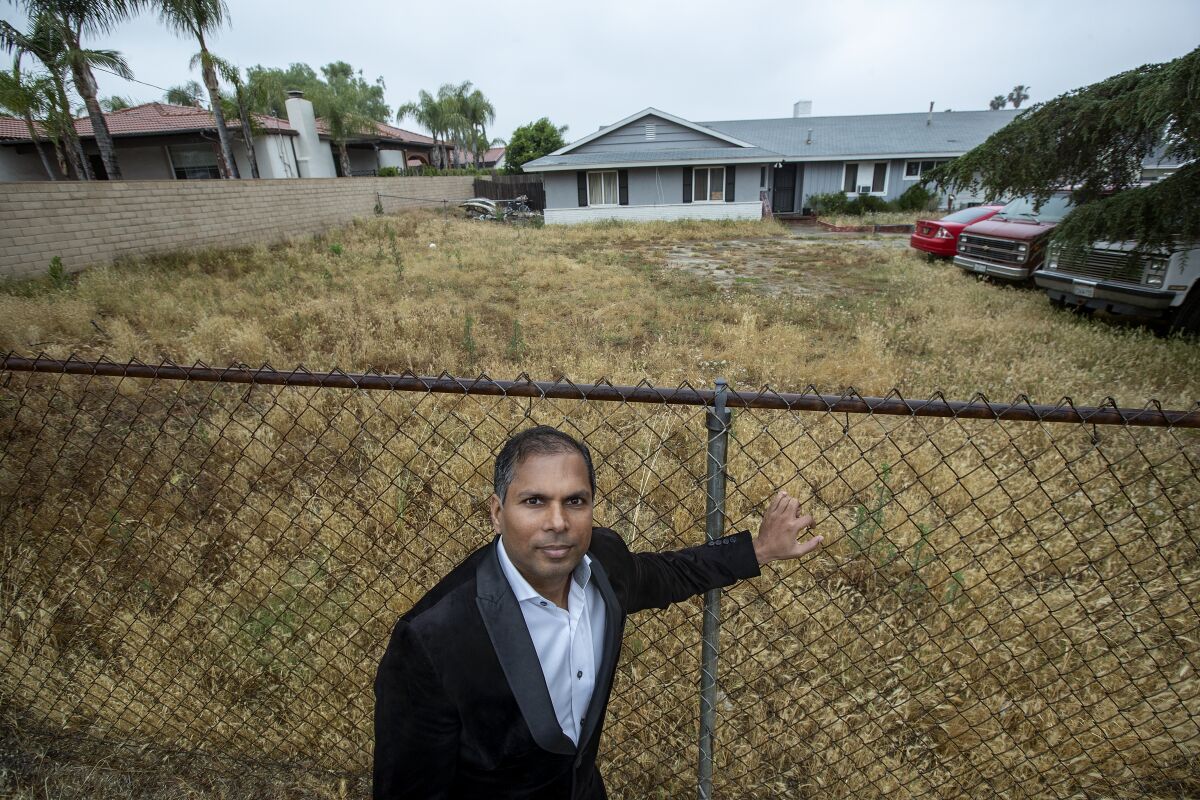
<point>1116,278</point>
<point>939,237</point>
<point>1012,244</point>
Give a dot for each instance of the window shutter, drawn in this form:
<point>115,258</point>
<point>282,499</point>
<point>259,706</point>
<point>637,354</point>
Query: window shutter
<point>623,187</point>
<point>581,180</point>
<point>687,184</point>
<point>729,176</point>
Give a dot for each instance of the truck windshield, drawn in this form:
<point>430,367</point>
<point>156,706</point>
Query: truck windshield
<point>1055,209</point>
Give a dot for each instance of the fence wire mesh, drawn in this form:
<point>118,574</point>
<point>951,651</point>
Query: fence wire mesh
<point>1004,608</point>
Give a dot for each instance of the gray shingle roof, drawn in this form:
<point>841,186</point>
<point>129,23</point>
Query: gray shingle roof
<point>654,156</point>
<point>874,134</point>
<point>833,138</point>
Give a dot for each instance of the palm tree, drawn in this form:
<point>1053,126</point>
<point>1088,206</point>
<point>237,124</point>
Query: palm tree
<point>234,75</point>
<point>195,18</point>
<point>24,98</point>
<point>115,103</point>
<point>478,112</point>
<point>435,115</point>
<point>72,19</point>
<point>44,41</point>
<point>335,103</point>
<point>1018,95</point>
<point>184,94</point>
<point>998,102</point>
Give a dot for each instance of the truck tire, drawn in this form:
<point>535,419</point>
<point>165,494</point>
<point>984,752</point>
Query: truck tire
<point>1186,318</point>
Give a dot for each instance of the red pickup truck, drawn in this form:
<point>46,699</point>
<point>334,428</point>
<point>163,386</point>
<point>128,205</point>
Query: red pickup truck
<point>1012,244</point>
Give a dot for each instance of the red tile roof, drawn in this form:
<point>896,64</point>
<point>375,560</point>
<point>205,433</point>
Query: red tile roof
<point>14,128</point>
<point>167,118</point>
<point>493,155</point>
<point>164,118</point>
<point>384,131</point>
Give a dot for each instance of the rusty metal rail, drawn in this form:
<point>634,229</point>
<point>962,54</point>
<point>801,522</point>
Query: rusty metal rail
<point>979,407</point>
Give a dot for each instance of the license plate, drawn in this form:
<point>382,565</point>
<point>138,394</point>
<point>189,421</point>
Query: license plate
<point>1083,290</point>
<point>980,267</point>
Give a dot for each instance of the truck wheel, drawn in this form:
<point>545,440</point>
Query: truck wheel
<point>1186,318</point>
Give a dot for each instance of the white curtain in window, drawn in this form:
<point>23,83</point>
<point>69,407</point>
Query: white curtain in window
<point>602,189</point>
<point>610,188</point>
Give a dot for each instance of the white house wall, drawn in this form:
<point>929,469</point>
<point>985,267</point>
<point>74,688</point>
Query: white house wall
<point>631,213</point>
<point>653,187</point>
<point>276,159</point>
<point>16,166</point>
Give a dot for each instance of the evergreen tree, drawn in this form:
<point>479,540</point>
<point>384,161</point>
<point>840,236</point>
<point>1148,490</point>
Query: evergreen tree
<point>532,141</point>
<point>1094,140</point>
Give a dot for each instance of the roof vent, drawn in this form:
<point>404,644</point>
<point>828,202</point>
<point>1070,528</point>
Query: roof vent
<point>295,93</point>
<point>809,139</point>
<point>650,133</point>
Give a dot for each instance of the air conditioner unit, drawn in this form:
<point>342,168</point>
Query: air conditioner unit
<point>864,189</point>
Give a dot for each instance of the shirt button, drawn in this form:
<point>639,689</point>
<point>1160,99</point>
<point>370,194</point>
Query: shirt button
<point>579,674</point>
<point>543,604</point>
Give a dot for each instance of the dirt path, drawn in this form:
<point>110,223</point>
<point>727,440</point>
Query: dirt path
<point>813,263</point>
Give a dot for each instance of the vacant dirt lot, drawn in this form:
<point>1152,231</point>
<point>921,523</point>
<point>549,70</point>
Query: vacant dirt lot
<point>1002,609</point>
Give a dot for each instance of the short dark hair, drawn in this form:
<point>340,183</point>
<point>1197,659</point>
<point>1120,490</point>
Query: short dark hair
<point>539,440</point>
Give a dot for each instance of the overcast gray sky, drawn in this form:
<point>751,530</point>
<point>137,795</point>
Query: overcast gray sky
<point>591,64</point>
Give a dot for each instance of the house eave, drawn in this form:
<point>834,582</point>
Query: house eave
<point>591,137</point>
<point>701,162</point>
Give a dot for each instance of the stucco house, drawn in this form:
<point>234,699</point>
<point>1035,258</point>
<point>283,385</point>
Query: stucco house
<point>654,165</point>
<point>160,141</point>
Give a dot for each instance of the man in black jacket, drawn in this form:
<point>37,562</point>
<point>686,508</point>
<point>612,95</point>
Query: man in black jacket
<point>495,684</point>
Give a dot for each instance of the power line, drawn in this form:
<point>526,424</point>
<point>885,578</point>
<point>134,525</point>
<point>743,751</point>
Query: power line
<point>132,80</point>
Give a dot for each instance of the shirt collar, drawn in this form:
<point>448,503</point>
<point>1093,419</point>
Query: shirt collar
<point>521,587</point>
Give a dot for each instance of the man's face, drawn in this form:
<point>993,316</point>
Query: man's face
<point>546,519</point>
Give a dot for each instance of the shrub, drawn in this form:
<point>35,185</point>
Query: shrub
<point>866,204</point>
<point>389,172</point>
<point>916,198</point>
<point>828,204</point>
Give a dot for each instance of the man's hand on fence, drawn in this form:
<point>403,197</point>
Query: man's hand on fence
<point>778,535</point>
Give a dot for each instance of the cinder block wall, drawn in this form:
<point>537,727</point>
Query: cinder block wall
<point>91,223</point>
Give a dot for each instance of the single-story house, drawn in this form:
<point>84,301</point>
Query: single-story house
<point>654,165</point>
<point>160,141</point>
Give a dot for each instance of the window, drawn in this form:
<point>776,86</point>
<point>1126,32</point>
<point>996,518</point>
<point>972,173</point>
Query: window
<point>192,162</point>
<point>708,184</point>
<point>879,178</point>
<point>865,177</point>
<point>602,188</point>
<point>762,177</point>
<point>848,185</point>
<point>914,169</point>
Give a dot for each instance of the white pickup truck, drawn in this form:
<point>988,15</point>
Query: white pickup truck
<point>1116,278</point>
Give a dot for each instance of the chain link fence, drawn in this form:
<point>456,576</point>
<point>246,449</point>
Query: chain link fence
<point>209,562</point>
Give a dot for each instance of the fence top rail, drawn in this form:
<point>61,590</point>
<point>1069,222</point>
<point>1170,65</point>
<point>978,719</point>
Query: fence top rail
<point>978,407</point>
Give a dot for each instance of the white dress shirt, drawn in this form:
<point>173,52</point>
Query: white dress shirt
<point>569,641</point>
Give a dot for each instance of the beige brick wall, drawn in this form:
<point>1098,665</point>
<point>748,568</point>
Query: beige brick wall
<point>93,223</point>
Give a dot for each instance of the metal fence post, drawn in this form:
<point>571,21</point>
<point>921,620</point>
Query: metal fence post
<point>717,424</point>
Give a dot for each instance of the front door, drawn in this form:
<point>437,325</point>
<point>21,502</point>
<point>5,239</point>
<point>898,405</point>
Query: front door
<point>783,198</point>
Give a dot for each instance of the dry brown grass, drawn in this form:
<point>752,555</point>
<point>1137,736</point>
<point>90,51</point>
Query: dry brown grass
<point>1003,609</point>
<point>595,301</point>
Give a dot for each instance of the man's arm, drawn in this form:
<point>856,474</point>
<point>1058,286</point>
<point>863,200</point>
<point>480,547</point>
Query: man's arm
<point>656,580</point>
<point>416,727</point>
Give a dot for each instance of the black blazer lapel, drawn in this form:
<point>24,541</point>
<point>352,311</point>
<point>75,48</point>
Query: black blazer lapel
<point>614,627</point>
<point>514,648</point>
